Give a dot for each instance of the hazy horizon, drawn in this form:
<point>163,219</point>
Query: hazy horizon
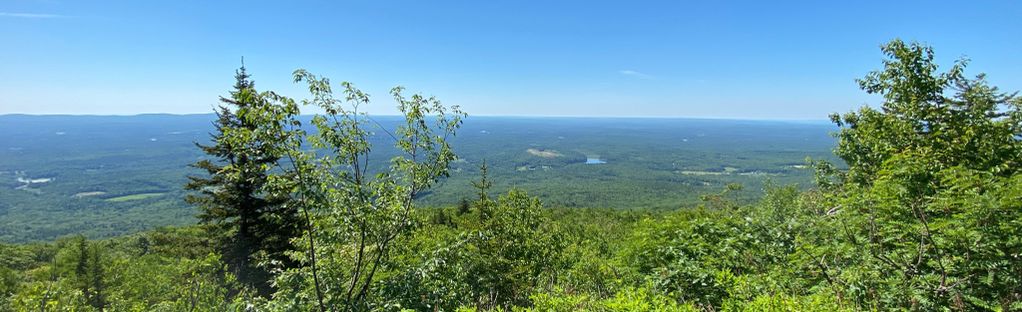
<point>822,120</point>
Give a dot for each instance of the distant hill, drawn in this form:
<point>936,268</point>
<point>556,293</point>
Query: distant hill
<point>109,175</point>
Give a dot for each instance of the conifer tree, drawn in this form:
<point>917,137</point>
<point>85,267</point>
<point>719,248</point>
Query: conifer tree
<point>98,298</point>
<point>245,222</point>
<point>82,265</point>
<point>482,187</point>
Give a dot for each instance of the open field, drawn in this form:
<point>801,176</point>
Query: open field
<point>133,197</point>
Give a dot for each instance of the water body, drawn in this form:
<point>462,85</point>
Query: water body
<point>594,161</point>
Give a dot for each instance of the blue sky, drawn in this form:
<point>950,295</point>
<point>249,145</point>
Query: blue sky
<point>721,59</point>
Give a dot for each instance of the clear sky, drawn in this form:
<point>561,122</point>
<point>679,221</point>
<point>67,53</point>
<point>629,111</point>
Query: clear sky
<point>724,59</point>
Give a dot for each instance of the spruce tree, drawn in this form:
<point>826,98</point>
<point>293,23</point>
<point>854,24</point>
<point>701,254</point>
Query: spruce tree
<point>484,203</point>
<point>82,266</point>
<point>98,298</point>
<point>245,222</point>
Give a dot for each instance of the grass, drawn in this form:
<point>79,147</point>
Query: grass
<point>133,197</point>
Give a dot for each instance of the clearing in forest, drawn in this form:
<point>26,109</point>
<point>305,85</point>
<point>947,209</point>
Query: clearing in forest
<point>544,153</point>
<point>133,197</point>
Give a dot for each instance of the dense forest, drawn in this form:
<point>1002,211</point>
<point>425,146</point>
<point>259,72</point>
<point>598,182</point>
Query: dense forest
<point>107,176</point>
<point>923,212</point>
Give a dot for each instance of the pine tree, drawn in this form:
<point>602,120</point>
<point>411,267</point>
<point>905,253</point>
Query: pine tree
<point>464,206</point>
<point>82,266</point>
<point>98,298</point>
<point>243,220</point>
<point>483,188</point>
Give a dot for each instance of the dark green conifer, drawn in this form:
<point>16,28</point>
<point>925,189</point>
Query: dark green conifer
<point>244,221</point>
<point>98,298</point>
<point>482,186</point>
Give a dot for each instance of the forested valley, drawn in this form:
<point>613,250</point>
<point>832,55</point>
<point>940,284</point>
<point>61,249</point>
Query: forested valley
<point>922,212</point>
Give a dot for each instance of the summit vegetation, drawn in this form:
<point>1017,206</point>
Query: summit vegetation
<point>919,208</point>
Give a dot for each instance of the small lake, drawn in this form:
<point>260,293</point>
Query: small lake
<point>594,161</point>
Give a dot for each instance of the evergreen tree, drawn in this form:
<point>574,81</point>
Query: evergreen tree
<point>245,222</point>
<point>82,265</point>
<point>98,298</point>
<point>483,188</point>
<point>464,206</point>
